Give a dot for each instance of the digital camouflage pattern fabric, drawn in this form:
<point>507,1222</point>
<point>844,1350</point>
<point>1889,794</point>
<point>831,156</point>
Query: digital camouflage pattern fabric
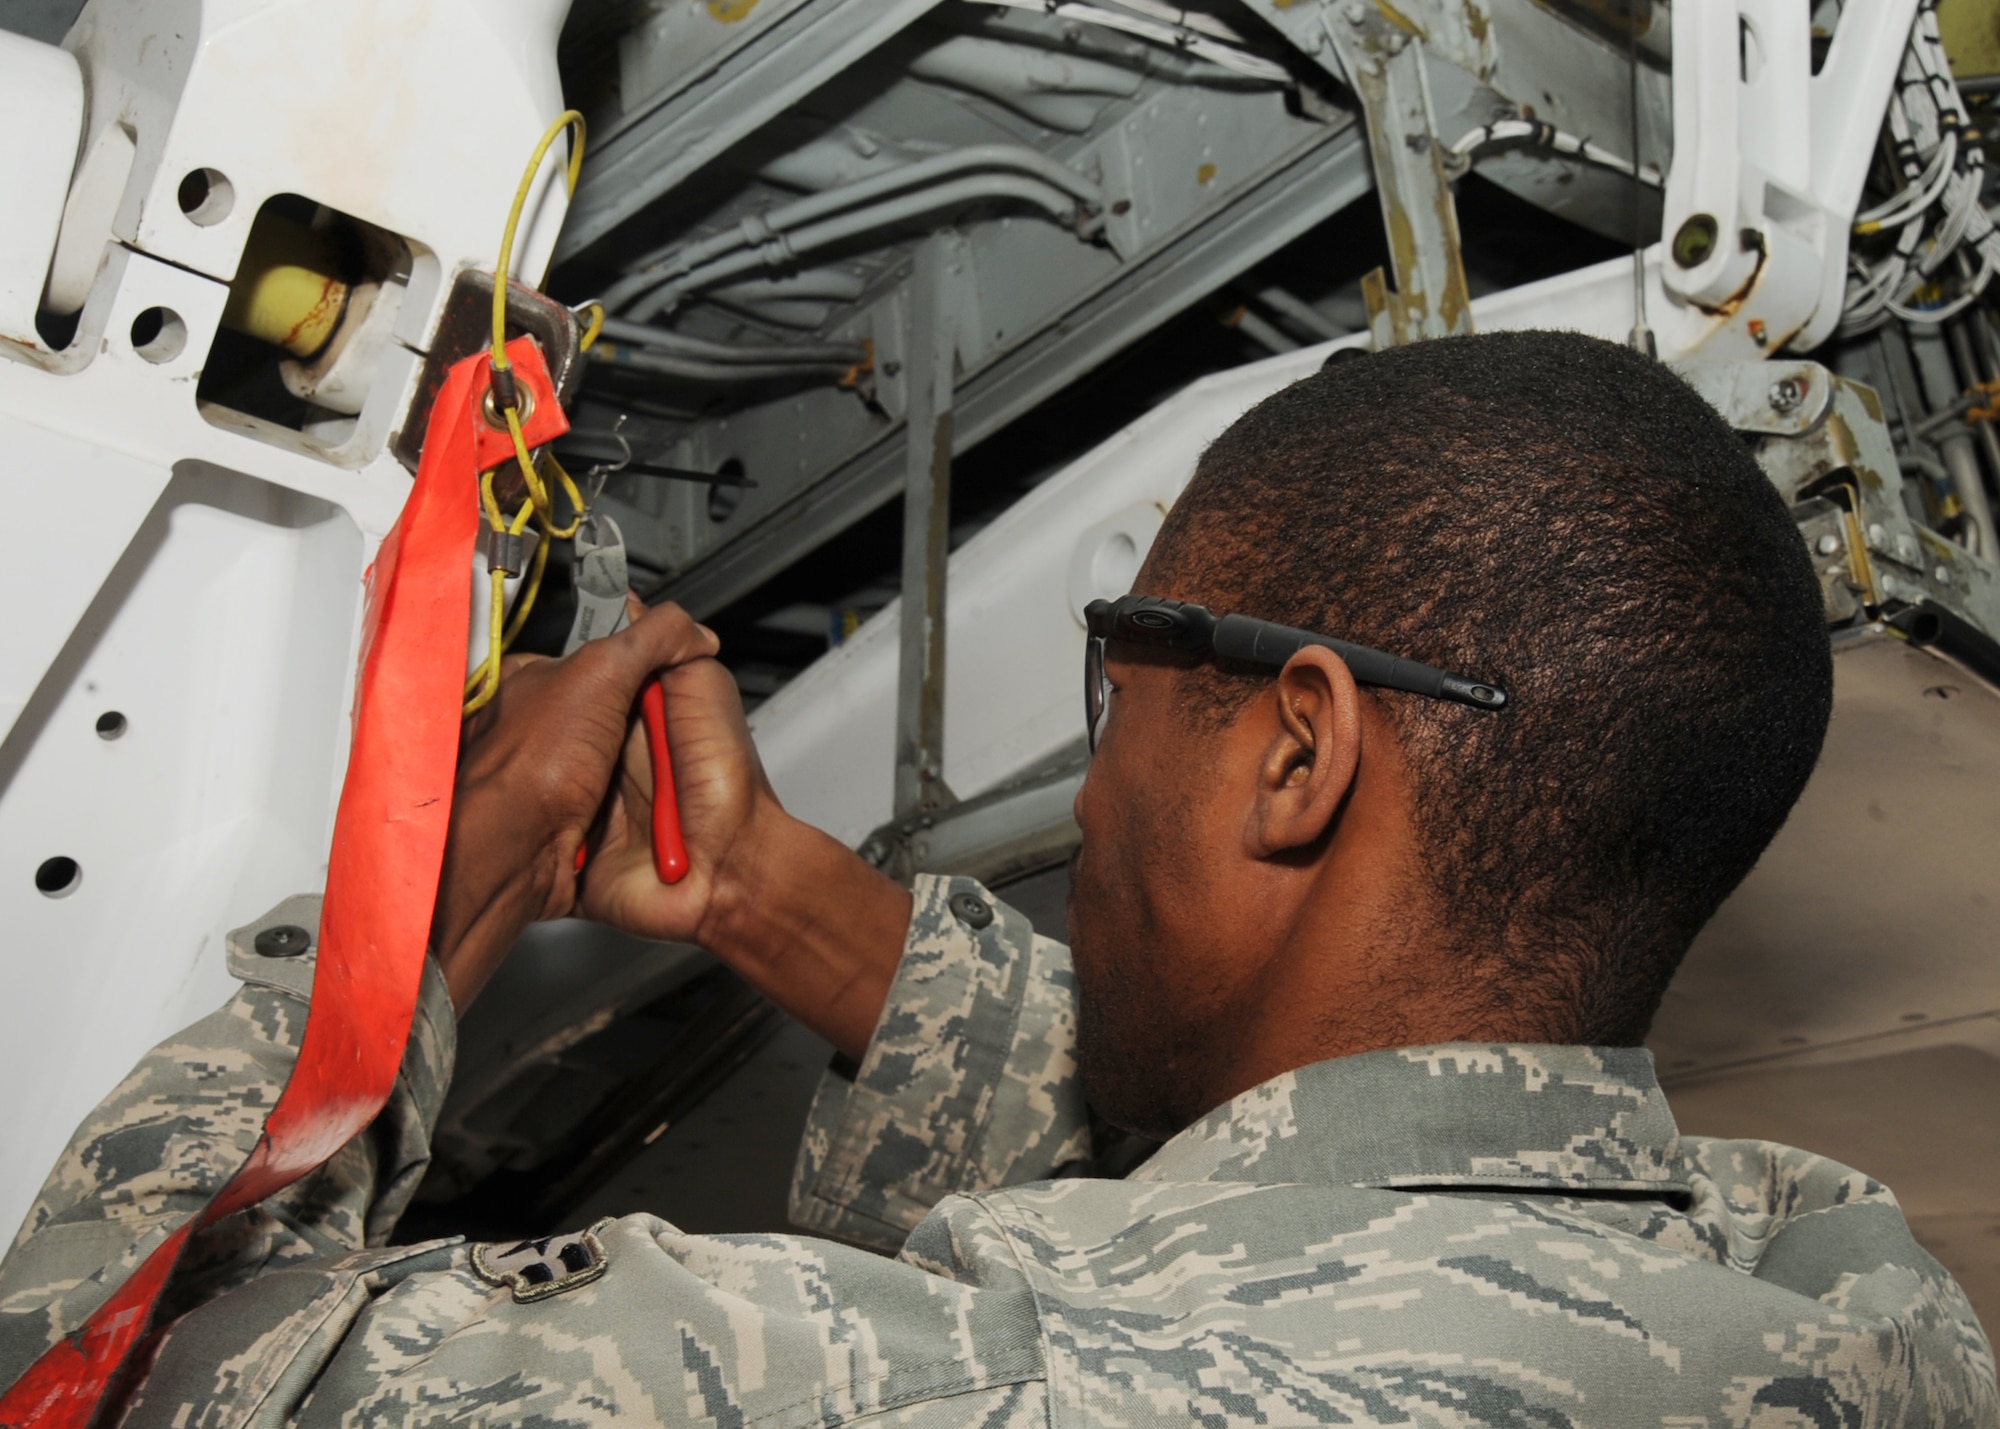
<point>1457,1235</point>
<point>173,1132</point>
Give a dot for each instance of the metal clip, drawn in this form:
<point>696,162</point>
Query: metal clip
<point>505,552</point>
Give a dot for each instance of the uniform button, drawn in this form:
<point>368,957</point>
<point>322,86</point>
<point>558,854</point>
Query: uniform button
<point>972,910</point>
<point>283,941</point>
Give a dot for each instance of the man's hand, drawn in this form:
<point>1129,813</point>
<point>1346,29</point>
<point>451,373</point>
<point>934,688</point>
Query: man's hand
<point>533,769</point>
<point>724,798</point>
<point>795,912</point>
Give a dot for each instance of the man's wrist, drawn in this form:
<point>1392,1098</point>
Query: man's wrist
<point>746,885</point>
<point>807,922</point>
<point>476,926</point>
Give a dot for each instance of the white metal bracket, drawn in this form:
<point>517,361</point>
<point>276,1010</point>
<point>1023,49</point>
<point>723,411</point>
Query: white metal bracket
<point>1769,160</point>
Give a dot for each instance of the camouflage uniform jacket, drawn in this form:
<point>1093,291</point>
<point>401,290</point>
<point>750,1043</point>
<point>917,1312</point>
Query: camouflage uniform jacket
<point>1453,1235</point>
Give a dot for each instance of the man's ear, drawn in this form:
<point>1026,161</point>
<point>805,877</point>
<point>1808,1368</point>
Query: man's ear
<point>1313,756</point>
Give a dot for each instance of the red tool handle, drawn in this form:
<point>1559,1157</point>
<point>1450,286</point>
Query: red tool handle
<point>670,855</point>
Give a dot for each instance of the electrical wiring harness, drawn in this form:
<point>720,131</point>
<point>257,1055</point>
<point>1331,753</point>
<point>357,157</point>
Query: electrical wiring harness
<point>1536,134</point>
<point>1944,237</point>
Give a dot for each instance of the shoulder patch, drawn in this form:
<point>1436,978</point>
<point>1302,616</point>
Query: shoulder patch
<point>537,1269</point>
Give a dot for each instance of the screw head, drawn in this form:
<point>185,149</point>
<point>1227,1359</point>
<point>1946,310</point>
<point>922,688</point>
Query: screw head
<point>286,940</point>
<point>1787,394</point>
<point>1942,575</point>
<point>1828,544</point>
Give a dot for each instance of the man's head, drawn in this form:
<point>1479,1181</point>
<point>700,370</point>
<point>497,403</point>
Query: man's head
<point>1281,868</point>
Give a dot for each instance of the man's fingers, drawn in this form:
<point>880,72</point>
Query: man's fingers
<point>635,609</point>
<point>511,663</point>
<point>661,638</point>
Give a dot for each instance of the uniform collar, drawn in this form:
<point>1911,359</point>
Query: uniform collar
<point>1544,1118</point>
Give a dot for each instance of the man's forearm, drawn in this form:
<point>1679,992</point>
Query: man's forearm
<point>811,926</point>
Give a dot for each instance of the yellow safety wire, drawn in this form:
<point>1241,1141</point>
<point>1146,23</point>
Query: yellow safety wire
<point>595,328</point>
<point>538,507</point>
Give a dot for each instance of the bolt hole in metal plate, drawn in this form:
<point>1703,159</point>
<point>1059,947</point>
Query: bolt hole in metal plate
<point>725,497</point>
<point>58,877</point>
<point>111,725</point>
<point>1695,240</point>
<point>206,197</point>
<point>1107,555</point>
<point>159,335</point>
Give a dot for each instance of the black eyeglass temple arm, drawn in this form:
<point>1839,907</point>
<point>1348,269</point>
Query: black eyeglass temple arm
<point>1261,642</point>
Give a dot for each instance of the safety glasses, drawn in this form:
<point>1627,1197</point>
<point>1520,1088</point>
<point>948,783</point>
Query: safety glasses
<point>1195,631</point>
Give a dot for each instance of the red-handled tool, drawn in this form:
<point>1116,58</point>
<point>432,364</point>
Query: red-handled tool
<point>670,855</point>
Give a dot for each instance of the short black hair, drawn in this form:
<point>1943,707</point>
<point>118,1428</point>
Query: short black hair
<point>1567,518</point>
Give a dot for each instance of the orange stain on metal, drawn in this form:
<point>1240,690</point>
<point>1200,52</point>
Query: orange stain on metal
<point>1730,305</point>
<point>730,11</point>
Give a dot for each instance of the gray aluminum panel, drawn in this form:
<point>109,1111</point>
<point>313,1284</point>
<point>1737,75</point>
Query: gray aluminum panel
<point>1283,204</point>
<point>743,91</point>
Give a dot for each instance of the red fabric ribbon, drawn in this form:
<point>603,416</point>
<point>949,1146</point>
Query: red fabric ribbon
<point>382,875</point>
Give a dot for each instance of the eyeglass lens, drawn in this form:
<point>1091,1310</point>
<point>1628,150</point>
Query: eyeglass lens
<point>1095,696</point>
